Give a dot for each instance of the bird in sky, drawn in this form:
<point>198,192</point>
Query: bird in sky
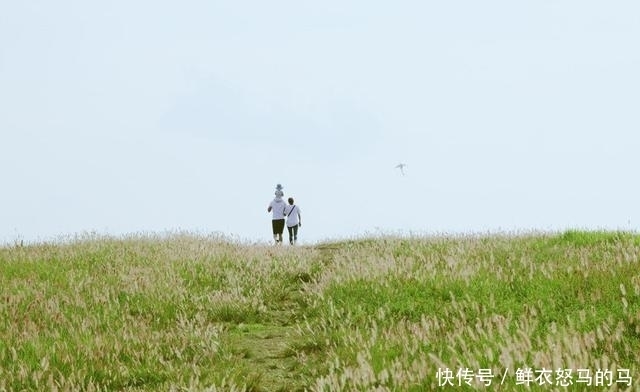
<point>401,166</point>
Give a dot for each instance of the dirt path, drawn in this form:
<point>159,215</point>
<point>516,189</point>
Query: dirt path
<point>275,355</point>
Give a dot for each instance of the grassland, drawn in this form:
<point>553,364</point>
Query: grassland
<point>193,313</point>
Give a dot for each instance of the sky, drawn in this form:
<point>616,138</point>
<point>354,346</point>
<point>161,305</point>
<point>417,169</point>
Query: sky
<point>130,117</point>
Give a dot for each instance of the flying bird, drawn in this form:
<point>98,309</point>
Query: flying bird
<point>401,166</point>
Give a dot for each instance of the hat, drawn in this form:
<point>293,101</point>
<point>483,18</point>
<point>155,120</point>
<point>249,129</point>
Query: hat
<point>279,187</point>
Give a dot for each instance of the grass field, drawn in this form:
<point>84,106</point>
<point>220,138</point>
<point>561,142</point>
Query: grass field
<point>192,313</point>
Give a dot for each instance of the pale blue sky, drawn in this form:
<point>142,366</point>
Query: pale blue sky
<point>147,116</point>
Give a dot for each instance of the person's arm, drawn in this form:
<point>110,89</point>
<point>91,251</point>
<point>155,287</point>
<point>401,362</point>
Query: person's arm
<point>299,218</point>
<point>269,209</point>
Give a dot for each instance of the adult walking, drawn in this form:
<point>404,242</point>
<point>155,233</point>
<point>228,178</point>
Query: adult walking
<point>277,207</point>
<point>294,221</point>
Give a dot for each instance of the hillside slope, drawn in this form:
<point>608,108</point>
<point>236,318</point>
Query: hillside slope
<point>403,314</point>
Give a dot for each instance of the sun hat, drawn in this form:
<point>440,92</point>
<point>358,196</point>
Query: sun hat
<point>279,193</point>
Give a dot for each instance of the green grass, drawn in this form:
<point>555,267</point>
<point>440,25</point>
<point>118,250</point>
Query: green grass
<point>205,314</point>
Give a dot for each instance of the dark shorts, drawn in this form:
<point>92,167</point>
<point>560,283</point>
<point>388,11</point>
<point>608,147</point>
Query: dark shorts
<point>278,226</point>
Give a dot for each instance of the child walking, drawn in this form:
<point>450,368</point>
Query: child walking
<point>294,220</point>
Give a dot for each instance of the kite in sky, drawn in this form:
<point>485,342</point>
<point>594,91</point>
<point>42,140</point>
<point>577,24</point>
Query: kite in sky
<point>401,166</point>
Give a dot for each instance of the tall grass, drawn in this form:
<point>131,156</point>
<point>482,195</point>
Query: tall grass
<point>207,314</point>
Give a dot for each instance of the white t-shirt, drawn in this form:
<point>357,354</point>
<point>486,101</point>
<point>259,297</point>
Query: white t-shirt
<point>293,215</point>
<point>277,208</point>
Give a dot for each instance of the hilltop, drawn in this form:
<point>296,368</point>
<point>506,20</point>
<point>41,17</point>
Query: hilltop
<point>404,314</point>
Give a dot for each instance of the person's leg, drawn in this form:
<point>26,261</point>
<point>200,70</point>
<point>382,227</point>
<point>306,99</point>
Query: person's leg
<point>295,233</point>
<point>274,228</point>
<point>280,229</point>
<point>290,229</point>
